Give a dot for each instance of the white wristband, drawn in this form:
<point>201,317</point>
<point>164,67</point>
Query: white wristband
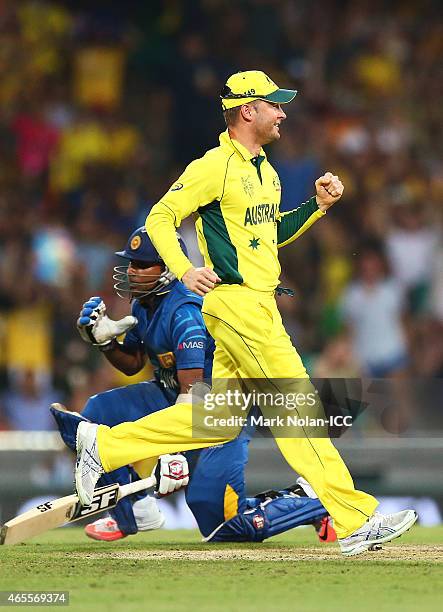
<point>184,398</point>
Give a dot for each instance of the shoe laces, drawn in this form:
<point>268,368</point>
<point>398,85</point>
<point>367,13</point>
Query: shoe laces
<point>90,462</point>
<point>382,520</point>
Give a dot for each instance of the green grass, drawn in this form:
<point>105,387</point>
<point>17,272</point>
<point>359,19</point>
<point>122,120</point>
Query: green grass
<point>64,560</point>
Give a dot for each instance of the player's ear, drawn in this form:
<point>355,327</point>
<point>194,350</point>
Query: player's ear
<point>247,112</point>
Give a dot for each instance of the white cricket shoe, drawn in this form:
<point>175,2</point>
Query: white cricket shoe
<point>88,467</point>
<point>378,529</point>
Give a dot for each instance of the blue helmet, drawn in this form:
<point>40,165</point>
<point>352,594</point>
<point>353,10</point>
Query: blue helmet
<point>140,248</point>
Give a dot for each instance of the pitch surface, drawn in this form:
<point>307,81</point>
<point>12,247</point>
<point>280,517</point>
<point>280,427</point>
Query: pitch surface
<point>173,570</point>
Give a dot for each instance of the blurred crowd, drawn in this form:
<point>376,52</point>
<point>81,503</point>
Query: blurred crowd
<point>101,109</point>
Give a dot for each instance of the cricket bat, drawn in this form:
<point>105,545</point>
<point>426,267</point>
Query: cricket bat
<point>67,510</point>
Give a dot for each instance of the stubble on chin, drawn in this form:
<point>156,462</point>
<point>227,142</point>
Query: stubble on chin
<point>272,137</point>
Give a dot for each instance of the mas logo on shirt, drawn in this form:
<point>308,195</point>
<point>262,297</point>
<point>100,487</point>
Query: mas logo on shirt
<point>176,187</point>
<point>192,344</point>
<point>166,360</point>
<point>248,186</point>
<point>276,183</point>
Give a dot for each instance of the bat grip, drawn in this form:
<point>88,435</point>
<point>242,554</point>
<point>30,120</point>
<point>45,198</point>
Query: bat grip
<point>138,485</point>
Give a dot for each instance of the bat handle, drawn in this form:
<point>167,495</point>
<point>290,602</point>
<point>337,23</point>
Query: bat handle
<point>138,485</point>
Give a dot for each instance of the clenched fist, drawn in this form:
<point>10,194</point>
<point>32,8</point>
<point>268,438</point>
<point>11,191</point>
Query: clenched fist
<point>329,189</point>
<point>200,280</point>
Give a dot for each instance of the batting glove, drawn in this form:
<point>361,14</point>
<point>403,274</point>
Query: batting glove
<point>172,474</point>
<point>97,328</point>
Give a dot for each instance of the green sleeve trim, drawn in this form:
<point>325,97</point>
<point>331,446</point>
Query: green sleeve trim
<point>294,223</point>
<point>221,250</point>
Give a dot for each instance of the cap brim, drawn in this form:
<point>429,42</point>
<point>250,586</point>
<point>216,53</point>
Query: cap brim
<point>280,96</point>
<point>136,257</point>
<point>122,254</point>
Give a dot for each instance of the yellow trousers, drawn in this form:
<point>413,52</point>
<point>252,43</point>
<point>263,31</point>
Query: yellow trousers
<point>251,343</point>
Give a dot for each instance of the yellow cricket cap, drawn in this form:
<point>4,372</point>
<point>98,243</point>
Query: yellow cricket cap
<point>243,87</point>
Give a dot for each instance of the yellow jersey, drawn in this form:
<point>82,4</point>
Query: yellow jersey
<point>236,196</point>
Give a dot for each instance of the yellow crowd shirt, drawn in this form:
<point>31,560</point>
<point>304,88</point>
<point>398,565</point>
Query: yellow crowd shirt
<point>237,199</point>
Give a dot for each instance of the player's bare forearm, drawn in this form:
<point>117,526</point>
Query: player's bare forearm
<point>186,378</point>
<point>123,359</point>
<point>329,189</point>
